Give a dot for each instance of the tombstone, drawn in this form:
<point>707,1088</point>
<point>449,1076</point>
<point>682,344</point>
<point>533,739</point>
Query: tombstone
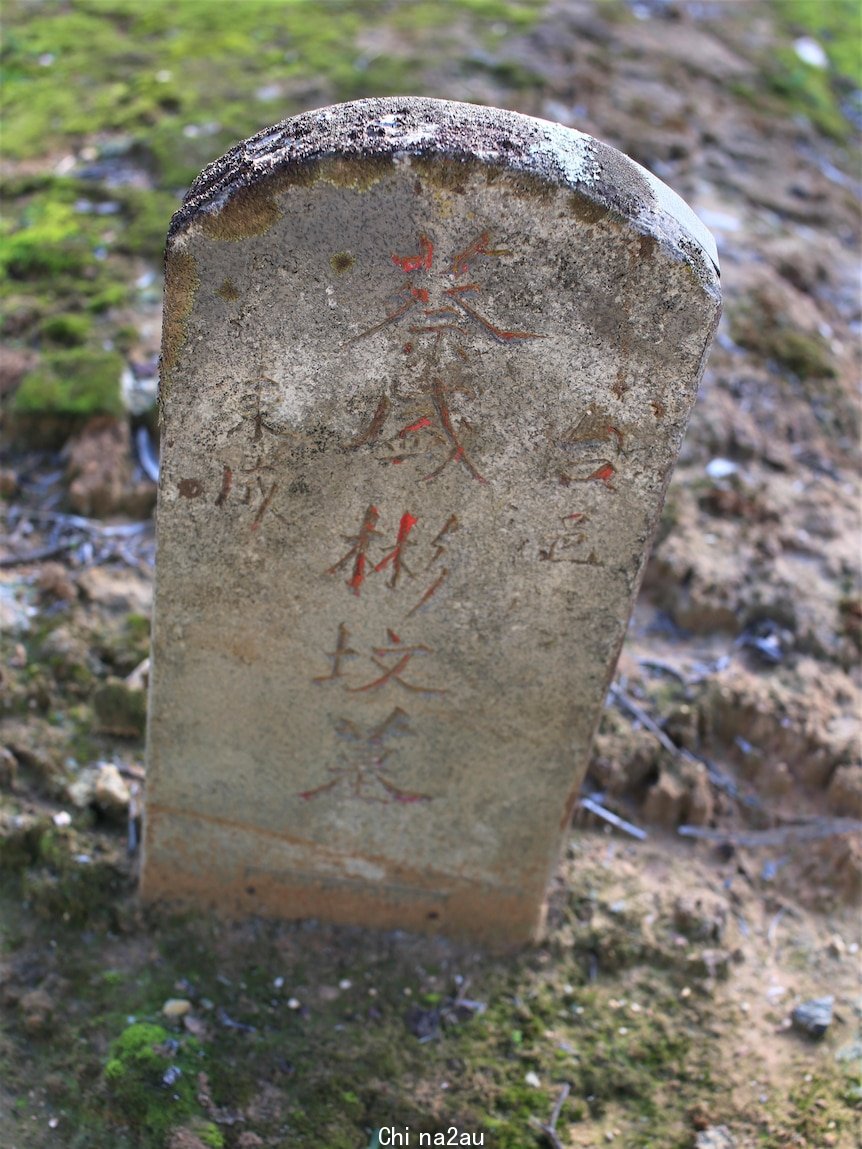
<point>425,372</point>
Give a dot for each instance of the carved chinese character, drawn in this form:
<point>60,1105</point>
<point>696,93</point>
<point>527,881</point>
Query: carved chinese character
<point>436,310</point>
<point>364,762</point>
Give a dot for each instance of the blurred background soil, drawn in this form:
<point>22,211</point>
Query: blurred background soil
<point>665,1002</point>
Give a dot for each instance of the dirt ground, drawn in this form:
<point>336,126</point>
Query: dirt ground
<point>659,1011</point>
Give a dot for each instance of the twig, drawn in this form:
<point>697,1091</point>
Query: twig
<point>811,831</point>
<point>621,824</point>
<point>664,667</point>
<point>718,778</point>
<point>626,703</point>
<point>37,556</point>
<point>149,460</point>
<point>78,522</point>
<point>550,1128</point>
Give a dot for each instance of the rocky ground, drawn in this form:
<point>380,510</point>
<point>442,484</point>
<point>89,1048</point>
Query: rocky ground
<point>671,1004</point>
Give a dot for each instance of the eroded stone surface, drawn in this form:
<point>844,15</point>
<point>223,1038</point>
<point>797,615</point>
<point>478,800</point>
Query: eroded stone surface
<point>426,369</point>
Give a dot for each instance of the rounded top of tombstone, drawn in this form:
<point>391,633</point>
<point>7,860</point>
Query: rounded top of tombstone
<point>410,126</point>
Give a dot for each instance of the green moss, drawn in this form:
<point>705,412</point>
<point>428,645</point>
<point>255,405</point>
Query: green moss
<point>75,382</point>
<point>836,24</point>
<point>112,295</point>
<point>50,240</point>
<point>19,843</point>
<point>151,1080</point>
<point>817,93</point>
<point>341,262</point>
<point>70,887</point>
<point>211,1135</point>
<point>807,355</point>
<point>808,91</point>
<point>147,214</point>
<point>66,330</point>
<point>120,710</point>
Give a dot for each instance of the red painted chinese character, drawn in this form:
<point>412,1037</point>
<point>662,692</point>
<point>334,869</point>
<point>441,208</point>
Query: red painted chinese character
<point>359,551</point>
<point>396,555</point>
<point>398,657</point>
<point>433,306</point>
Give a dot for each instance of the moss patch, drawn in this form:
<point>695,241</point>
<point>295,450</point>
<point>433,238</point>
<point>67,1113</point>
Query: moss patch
<point>67,330</point>
<point>151,1079</point>
<point>249,211</point>
<point>181,284</point>
<point>806,354</point>
<point>76,383</point>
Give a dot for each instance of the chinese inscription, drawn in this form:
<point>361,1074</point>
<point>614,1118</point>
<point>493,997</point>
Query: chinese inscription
<point>422,416</point>
<point>441,313</point>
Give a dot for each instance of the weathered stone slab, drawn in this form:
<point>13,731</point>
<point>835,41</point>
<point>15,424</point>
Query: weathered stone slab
<point>426,370</point>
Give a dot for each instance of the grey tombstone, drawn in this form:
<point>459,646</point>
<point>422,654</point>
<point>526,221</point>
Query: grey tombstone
<point>425,373</point>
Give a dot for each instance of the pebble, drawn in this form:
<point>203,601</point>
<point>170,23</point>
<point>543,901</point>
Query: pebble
<point>176,1007</point>
<point>715,1137</point>
<point>721,468</point>
<point>110,792</point>
<point>810,52</point>
<point>813,1017</point>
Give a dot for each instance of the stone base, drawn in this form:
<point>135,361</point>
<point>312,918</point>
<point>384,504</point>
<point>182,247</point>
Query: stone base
<point>204,863</point>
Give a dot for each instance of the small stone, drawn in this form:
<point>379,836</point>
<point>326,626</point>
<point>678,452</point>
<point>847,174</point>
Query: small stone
<point>195,1026</point>
<point>810,52</point>
<point>139,678</point>
<point>123,591</point>
<point>532,1079</point>
<point>176,1007</point>
<point>715,1137</point>
<point>110,792</point>
<point>850,1052</point>
<point>80,792</point>
<point>837,947</point>
<point>721,468</point>
<point>813,1017</point>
